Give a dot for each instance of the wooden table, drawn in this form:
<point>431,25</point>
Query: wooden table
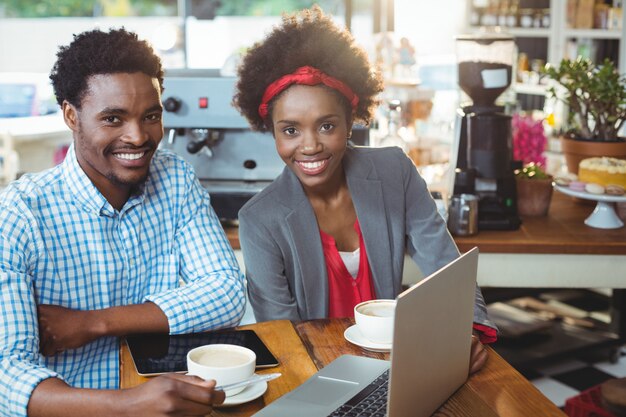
<point>305,347</point>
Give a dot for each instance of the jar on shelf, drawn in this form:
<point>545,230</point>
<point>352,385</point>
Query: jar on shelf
<point>526,17</point>
<point>615,18</point>
<point>475,16</point>
<point>511,18</point>
<point>489,18</point>
<point>601,16</point>
<point>503,12</point>
<point>523,66</point>
<point>545,18</point>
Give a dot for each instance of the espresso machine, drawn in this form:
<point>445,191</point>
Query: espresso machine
<point>232,162</point>
<point>484,154</point>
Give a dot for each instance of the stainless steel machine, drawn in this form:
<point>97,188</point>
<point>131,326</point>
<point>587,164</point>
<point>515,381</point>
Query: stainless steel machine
<point>231,161</point>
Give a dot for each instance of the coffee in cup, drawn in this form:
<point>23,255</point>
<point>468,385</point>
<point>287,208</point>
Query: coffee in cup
<point>224,363</point>
<point>374,320</point>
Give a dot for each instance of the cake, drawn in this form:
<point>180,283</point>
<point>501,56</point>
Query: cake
<point>603,171</point>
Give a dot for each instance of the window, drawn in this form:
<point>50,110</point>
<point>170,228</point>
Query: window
<point>186,33</point>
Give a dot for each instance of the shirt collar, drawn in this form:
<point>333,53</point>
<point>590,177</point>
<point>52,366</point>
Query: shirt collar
<point>86,194</point>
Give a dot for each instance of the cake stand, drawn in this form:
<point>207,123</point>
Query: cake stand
<point>604,215</point>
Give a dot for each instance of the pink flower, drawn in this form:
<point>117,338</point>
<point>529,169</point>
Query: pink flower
<point>529,140</point>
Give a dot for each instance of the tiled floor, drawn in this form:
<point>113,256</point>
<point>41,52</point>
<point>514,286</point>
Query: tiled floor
<point>566,377</point>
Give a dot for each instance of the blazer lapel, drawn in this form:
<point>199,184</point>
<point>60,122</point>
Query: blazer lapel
<point>367,197</point>
<point>307,244</point>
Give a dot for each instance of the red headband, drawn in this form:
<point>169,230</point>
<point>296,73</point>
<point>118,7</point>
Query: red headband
<point>307,76</point>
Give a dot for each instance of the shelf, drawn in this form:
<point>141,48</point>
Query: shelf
<point>533,89</point>
<point>528,32</point>
<point>601,34</point>
<point>518,32</point>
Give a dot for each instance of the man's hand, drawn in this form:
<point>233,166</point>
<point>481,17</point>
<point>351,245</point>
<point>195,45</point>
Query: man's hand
<point>173,395</point>
<point>478,355</point>
<point>62,328</point>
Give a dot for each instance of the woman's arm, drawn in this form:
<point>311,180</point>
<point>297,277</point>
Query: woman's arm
<point>268,288</point>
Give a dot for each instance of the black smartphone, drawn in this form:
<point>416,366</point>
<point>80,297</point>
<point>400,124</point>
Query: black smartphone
<point>158,353</point>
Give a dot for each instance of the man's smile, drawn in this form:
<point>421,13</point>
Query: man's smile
<point>129,156</point>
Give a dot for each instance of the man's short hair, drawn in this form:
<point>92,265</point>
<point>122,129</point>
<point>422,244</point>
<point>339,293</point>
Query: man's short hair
<point>97,52</point>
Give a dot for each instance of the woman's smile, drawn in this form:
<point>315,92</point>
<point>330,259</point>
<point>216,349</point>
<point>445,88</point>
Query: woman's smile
<point>313,167</point>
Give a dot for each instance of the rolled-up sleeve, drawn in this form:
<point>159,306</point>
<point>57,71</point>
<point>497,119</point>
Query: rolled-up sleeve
<point>21,365</point>
<point>213,295</point>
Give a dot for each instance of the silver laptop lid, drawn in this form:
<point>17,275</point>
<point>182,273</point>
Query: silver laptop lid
<point>430,356</point>
<point>432,339</point>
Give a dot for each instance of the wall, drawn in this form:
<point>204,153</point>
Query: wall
<point>431,25</point>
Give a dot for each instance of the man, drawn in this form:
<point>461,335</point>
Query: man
<point>96,247</point>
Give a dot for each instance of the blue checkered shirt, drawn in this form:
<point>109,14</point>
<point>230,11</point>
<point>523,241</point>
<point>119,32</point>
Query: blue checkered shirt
<point>62,243</point>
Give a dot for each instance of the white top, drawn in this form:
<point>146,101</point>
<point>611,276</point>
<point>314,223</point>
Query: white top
<point>351,261</point>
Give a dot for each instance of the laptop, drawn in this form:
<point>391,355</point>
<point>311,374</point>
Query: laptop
<point>429,359</point>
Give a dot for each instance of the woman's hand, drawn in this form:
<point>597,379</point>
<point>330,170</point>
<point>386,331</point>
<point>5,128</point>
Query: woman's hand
<point>478,355</point>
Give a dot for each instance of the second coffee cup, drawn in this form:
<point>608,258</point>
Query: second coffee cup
<point>374,320</point>
<point>224,363</point>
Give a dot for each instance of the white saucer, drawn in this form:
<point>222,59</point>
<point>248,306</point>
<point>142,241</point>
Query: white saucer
<point>354,336</point>
<point>249,393</point>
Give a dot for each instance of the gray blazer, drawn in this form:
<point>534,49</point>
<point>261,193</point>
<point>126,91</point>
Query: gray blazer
<point>282,248</point>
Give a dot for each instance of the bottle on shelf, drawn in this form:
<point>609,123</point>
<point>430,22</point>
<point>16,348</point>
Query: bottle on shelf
<point>503,12</point>
<point>511,19</point>
<point>394,117</point>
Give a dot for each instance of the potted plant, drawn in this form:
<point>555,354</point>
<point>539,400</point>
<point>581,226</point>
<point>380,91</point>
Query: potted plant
<point>534,190</point>
<point>596,99</point>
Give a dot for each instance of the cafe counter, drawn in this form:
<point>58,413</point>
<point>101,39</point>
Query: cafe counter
<point>553,251</point>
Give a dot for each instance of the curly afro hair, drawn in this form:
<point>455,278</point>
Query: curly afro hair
<point>306,38</point>
<point>96,52</point>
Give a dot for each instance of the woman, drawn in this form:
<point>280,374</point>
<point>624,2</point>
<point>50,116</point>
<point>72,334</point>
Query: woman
<point>332,229</point>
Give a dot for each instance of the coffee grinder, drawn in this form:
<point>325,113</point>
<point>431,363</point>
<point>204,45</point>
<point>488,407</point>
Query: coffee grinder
<point>484,164</point>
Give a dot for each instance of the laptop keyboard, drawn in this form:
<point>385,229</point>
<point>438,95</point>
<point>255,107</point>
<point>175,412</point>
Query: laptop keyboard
<point>371,401</point>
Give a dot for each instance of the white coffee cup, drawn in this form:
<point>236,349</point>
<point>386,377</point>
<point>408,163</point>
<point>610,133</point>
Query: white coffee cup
<point>224,363</point>
<point>374,319</point>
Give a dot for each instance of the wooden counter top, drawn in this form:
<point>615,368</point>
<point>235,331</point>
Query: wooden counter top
<point>232,233</point>
<point>562,231</point>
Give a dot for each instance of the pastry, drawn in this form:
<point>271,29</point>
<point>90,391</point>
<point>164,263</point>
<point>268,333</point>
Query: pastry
<point>613,189</point>
<point>562,181</point>
<point>577,186</point>
<point>603,171</point>
<point>592,188</point>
